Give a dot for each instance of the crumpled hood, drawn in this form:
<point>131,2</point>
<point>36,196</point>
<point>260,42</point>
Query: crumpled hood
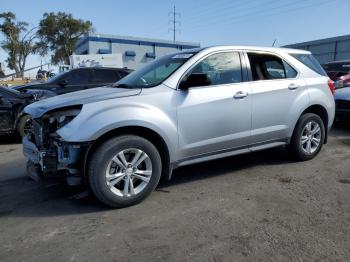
<point>342,94</point>
<point>39,108</point>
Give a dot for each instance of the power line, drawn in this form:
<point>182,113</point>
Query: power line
<point>219,10</point>
<point>245,17</point>
<point>252,11</point>
<point>173,15</point>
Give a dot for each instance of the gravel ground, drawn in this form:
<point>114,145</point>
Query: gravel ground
<point>256,207</point>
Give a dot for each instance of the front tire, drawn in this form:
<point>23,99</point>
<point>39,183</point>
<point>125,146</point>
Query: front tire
<point>308,137</point>
<point>124,170</point>
<point>24,126</point>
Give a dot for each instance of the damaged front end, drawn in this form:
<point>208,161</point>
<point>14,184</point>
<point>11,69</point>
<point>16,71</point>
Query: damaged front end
<point>48,153</point>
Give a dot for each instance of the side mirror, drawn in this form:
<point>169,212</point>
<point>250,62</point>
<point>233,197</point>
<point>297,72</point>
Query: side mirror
<point>195,79</point>
<point>63,83</point>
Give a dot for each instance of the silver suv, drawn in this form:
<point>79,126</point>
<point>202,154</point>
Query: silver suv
<point>181,109</point>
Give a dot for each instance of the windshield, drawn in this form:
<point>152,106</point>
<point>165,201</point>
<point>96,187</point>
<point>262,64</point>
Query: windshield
<point>156,72</point>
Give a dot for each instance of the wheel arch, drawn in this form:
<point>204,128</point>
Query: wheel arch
<point>154,137</point>
<point>321,111</point>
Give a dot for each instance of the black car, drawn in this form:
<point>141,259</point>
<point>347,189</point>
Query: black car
<point>78,79</point>
<point>11,104</point>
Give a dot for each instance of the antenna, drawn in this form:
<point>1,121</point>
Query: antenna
<point>173,15</point>
<point>274,41</point>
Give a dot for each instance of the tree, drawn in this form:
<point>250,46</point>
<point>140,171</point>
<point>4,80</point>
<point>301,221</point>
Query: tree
<point>19,42</point>
<point>59,34</point>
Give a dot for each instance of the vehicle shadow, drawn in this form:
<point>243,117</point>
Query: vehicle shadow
<point>9,139</point>
<point>225,166</point>
<point>22,197</point>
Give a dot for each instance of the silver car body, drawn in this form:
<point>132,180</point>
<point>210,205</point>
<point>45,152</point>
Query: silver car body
<point>200,123</point>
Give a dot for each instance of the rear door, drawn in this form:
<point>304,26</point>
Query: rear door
<point>277,90</point>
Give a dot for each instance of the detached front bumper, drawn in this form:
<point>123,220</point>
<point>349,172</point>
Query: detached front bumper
<point>65,157</point>
<point>46,159</point>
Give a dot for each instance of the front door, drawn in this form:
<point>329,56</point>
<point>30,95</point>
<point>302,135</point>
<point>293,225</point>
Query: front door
<point>217,116</point>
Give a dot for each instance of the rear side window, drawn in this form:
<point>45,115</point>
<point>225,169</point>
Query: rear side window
<point>310,62</point>
<point>268,67</point>
<point>105,76</point>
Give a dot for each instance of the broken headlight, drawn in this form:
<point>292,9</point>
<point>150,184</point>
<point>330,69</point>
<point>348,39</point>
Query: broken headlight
<point>62,116</point>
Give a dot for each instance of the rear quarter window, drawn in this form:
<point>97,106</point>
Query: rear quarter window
<point>310,62</point>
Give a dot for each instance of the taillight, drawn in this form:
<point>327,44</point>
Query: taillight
<point>331,86</point>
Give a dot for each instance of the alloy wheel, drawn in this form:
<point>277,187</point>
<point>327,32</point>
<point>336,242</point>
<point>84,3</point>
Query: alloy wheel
<point>129,172</point>
<point>310,137</point>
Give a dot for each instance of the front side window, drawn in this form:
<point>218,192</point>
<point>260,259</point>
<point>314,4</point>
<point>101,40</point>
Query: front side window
<point>269,67</point>
<point>221,68</point>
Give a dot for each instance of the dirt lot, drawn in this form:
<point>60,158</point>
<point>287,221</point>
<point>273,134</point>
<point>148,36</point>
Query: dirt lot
<point>253,207</point>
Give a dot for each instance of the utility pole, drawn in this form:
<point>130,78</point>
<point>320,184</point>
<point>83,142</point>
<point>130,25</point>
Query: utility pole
<point>173,15</point>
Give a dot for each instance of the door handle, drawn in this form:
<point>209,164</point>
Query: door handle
<point>240,95</point>
<point>293,86</point>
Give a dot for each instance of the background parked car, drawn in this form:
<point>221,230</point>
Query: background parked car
<point>78,79</point>
<point>339,72</point>
<point>342,103</point>
<point>12,102</point>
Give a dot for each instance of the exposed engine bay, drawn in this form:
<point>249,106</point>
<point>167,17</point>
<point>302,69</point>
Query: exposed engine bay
<point>47,151</point>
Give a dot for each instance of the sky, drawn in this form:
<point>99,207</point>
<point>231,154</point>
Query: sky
<point>248,22</point>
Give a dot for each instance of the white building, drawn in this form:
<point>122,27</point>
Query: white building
<point>134,51</point>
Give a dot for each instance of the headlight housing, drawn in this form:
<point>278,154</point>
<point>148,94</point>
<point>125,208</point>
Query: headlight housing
<point>58,118</point>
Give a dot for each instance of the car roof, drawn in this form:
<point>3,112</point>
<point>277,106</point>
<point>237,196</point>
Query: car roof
<point>257,48</point>
<point>101,68</point>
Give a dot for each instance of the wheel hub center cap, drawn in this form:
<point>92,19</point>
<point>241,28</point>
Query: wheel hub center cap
<point>129,171</point>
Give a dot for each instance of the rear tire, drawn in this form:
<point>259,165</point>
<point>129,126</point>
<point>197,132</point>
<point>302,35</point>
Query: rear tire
<point>308,137</point>
<point>124,170</point>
